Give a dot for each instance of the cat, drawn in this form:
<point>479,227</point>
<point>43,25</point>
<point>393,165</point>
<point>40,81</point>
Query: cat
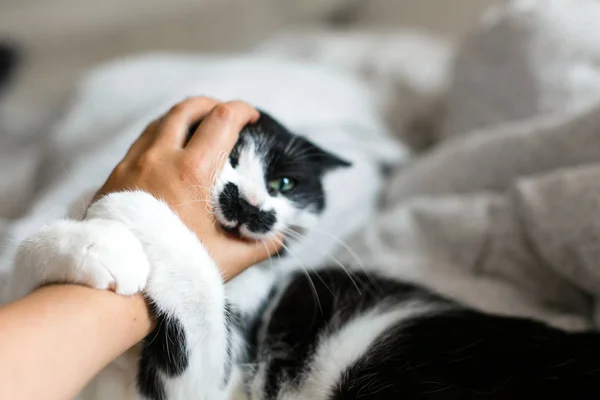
<point>323,334</point>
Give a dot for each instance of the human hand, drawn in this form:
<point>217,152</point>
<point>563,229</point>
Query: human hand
<point>160,163</point>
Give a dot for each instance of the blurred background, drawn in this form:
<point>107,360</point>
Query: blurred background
<point>63,38</point>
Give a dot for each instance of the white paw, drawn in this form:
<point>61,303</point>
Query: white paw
<point>101,254</point>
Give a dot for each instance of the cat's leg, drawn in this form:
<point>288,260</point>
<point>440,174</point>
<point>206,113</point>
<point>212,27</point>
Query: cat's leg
<point>189,353</point>
<point>102,254</point>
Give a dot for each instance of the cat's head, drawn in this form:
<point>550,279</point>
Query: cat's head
<point>272,181</point>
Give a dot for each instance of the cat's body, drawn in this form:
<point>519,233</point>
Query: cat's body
<point>288,333</point>
<point>375,338</point>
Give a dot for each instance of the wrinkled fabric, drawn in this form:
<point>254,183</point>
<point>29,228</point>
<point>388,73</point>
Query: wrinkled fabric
<point>503,212</point>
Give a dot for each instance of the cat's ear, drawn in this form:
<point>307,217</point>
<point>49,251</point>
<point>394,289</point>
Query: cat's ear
<point>327,161</point>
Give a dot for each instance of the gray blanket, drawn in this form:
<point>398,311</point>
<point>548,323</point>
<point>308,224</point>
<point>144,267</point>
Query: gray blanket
<point>503,213</point>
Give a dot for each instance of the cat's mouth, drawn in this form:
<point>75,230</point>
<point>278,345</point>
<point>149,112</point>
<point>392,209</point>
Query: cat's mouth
<point>233,231</point>
<point>243,231</point>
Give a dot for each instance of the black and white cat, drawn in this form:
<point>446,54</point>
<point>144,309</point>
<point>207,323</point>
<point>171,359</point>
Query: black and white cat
<point>325,334</point>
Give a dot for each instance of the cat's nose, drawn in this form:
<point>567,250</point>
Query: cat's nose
<point>247,210</point>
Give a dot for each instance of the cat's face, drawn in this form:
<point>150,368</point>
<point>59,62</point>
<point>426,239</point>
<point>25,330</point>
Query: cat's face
<point>273,181</point>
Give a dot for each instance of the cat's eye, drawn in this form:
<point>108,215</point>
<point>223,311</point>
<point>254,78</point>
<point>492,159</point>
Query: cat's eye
<point>282,185</point>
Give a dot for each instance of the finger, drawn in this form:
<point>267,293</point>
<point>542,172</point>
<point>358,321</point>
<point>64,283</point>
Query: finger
<point>219,131</point>
<point>175,124</point>
<point>143,142</point>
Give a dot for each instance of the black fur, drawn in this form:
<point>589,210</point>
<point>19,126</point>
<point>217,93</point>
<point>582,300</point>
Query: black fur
<point>451,353</point>
<point>300,319</point>
<point>233,319</point>
<point>149,382</point>
<point>164,350</point>
<point>468,355</point>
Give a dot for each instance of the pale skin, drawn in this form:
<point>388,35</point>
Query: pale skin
<point>53,341</point>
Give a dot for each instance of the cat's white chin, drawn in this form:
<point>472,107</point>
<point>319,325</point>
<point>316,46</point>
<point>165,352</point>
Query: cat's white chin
<point>246,233</point>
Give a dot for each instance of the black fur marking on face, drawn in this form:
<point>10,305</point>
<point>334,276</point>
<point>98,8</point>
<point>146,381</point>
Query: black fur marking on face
<point>164,350</point>
<point>228,201</point>
<point>256,220</point>
<point>237,209</point>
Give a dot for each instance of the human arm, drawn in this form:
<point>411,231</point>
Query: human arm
<point>53,341</point>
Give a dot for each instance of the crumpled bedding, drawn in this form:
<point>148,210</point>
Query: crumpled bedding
<point>501,212</point>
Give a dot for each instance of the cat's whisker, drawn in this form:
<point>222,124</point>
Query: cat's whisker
<point>290,145</point>
<point>268,253</point>
<point>316,272</point>
<point>303,154</point>
<point>312,284</point>
<point>209,205</point>
<point>355,256</point>
<point>83,209</point>
<point>335,260</point>
<point>309,196</point>
<point>293,233</point>
<point>190,202</point>
<point>277,249</point>
<point>199,186</point>
<point>299,236</point>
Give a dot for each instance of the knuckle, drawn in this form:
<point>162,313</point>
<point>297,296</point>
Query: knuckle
<point>239,104</point>
<point>179,108</point>
<point>149,159</point>
<point>188,105</point>
<point>224,111</point>
<point>206,100</point>
<point>243,105</point>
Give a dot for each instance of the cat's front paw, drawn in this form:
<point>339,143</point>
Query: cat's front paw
<point>101,254</point>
